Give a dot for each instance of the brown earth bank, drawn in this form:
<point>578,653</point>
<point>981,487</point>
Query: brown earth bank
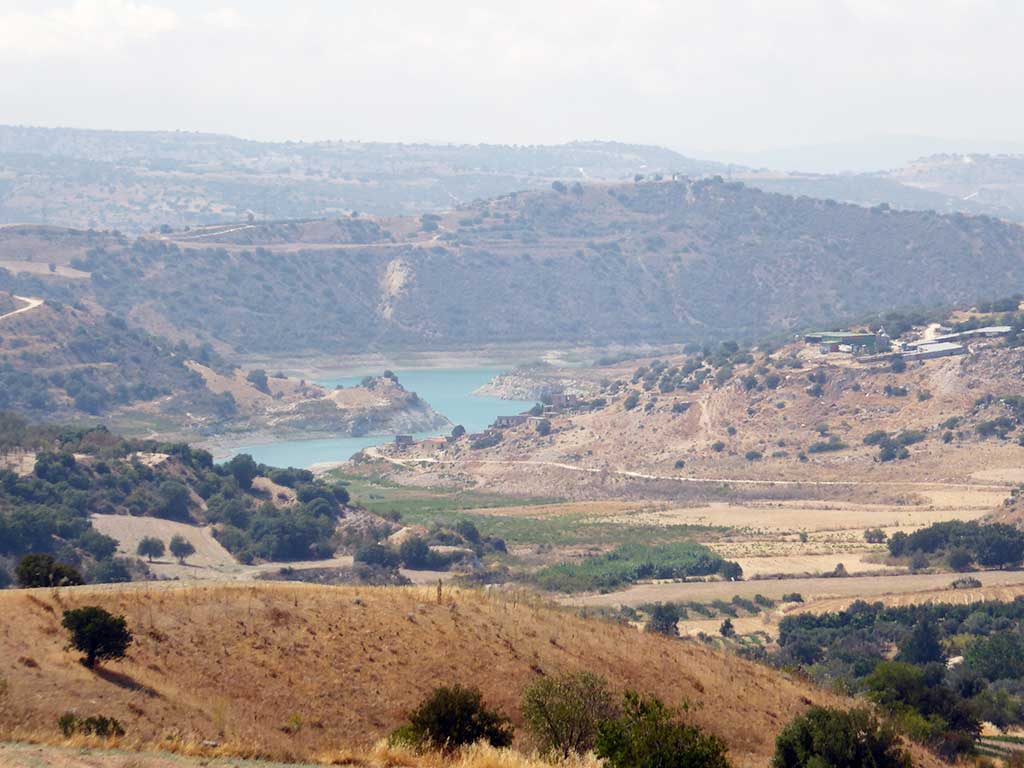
<point>289,671</point>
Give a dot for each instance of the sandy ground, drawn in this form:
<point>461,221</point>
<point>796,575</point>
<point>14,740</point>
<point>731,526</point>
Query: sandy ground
<point>20,462</point>
<point>19,755</point>
<point>867,587</point>
<point>209,561</point>
<point>813,564</point>
<point>824,516</point>
<point>37,268</point>
<point>212,562</point>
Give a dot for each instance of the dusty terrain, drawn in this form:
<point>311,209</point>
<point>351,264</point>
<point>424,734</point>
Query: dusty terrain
<point>290,671</point>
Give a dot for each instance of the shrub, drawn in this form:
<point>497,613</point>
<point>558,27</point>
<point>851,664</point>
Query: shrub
<point>489,440</point>
<point>792,597</point>
<point>752,455</point>
<point>378,555</point>
<point>718,446</point>
<point>727,629</point>
<point>414,552</point>
<point>97,633</point>
<point>824,737</point>
<point>649,734</point>
<point>664,618</point>
<point>44,571</point>
<point>631,401</point>
<point>875,536</point>
<point>97,725</point>
<point>876,437</point>
<point>452,717</point>
<point>563,713</point>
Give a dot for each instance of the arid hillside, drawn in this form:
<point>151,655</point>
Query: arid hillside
<point>294,672</point>
<point>650,262</point>
<point>76,361</point>
<point>795,421</point>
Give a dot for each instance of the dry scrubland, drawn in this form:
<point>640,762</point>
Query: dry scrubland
<point>299,672</point>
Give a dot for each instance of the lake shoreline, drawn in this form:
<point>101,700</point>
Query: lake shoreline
<point>449,391</point>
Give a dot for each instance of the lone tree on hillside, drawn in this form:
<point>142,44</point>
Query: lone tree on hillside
<point>44,571</point>
<point>150,547</point>
<point>453,717</point>
<point>97,633</point>
<point>563,713</point>
<point>258,378</point>
<point>181,548</point>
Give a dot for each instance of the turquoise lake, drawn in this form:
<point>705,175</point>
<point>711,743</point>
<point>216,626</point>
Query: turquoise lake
<point>448,390</point>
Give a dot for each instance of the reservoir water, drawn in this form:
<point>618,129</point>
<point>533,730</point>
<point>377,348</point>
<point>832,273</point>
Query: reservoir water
<point>448,390</point>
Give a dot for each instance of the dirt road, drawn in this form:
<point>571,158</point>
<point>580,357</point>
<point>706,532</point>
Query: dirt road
<point>30,305</point>
<point>406,463</point>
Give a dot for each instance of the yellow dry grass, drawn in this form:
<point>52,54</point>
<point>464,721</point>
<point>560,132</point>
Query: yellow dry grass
<point>296,671</point>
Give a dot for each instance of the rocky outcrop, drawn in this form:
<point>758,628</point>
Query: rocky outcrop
<point>535,384</point>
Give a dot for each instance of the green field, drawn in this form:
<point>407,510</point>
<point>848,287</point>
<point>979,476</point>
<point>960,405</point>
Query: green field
<point>429,506</point>
<point>629,563</point>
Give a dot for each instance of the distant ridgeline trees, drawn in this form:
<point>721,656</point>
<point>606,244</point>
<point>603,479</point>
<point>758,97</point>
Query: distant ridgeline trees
<point>79,472</point>
<point>937,704</point>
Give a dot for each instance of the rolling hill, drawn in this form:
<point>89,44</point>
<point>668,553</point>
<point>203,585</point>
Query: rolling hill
<point>970,183</point>
<point>136,181</point>
<point>297,672</point>
<point>597,264</point>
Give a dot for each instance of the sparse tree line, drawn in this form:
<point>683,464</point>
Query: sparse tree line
<point>79,472</point>
<point>577,713</point>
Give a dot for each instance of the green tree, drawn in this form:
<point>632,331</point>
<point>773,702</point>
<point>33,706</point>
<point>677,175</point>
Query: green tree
<point>414,552</point>
<point>97,633</point>
<point>824,737</point>
<point>452,717</point>
<point>43,571</point>
<point>875,536</point>
<point>727,629</point>
<point>922,646</point>
<point>258,378</point>
<point>664,619</point>
<point>377,555</point>
<point>181,548</point>
<point>174,499</point>
<point>150,547</point>
<point>649,735</point>
<point>563,713</point>
<point>244,469</point>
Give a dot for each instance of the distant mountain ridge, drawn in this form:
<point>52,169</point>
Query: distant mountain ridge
<point>976,184</point>
<point>650,262</point>
<point>135,181</point>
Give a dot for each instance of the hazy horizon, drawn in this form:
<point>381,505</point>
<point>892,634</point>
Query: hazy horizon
<point>709,79</point>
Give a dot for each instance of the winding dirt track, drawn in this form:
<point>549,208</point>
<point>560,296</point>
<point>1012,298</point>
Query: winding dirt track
<point>30,305</point>
<point>682,479</point>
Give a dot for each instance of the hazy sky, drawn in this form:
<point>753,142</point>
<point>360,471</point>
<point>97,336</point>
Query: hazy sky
<point>700,75</point>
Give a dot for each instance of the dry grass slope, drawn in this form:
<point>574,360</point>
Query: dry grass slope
<point>294,672</point>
